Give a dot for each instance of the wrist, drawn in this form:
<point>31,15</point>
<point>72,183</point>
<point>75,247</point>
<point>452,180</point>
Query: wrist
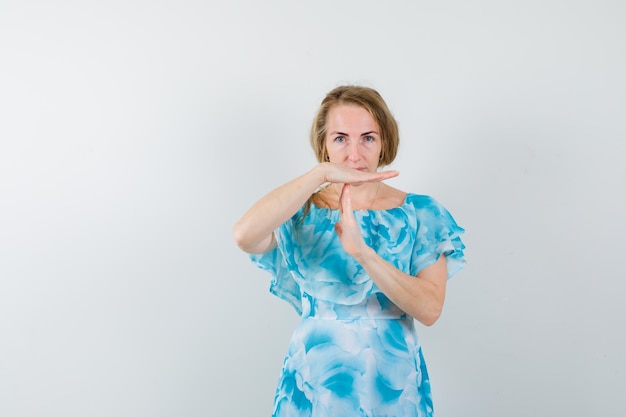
<point>366,256</point>
<point>319,172</point>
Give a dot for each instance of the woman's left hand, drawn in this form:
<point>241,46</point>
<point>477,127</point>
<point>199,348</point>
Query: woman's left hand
<point>347,228</point>
<point>421,297</point>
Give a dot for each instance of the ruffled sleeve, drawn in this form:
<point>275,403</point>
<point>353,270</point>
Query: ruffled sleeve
<point>437,233</point>
<point>309,258</point>
<point>283,284</point>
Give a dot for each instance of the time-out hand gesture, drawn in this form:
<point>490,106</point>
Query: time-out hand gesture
<point>341,174</point>
<point>347,228</point>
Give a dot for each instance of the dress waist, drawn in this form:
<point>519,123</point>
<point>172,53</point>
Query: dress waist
<point>376,307</point>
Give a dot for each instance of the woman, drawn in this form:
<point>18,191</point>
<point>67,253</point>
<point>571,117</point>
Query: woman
<point>358,259</point>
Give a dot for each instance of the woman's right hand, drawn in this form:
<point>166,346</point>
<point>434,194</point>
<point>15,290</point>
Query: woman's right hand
<point>254,231</point>
<point>336,173</point>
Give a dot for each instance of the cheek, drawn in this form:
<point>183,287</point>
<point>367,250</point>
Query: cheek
<point>332,148</point>
<point>375,149</point>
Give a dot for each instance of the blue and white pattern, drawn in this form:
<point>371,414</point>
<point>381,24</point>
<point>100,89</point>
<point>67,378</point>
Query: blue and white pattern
<point>355,353</point>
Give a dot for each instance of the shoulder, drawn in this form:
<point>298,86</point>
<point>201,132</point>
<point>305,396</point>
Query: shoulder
<point>421,201</point>
<point>391,197</point>
<point>425,206</point>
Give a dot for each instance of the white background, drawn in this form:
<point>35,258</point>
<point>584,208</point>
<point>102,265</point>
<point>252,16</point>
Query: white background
<point>133,134</point>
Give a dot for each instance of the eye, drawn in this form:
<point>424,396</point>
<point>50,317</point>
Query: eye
<point>369,139</point>
<point>340,139</point>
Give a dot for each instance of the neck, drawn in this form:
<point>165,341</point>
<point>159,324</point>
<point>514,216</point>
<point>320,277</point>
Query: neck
<point>363,195</point>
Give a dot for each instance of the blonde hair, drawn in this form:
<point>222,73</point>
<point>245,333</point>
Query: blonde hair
<point>371,101</point>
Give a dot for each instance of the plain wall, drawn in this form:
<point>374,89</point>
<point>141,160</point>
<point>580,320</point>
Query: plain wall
<point>133,134</point>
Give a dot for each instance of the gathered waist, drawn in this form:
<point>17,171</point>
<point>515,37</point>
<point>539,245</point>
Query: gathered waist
<point>376,307</point>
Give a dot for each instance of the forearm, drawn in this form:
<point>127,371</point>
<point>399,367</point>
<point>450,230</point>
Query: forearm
<point>254,230</point>
<point>421,297</point>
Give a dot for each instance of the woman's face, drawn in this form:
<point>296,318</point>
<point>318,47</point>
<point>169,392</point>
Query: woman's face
<point>353,137</point>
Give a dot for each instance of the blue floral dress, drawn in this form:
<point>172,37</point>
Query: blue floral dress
<point>355,353</point>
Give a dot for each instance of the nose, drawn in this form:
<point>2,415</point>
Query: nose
<point>354,151</point>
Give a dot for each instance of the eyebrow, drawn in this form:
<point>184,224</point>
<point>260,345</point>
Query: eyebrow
<point>362,134</point>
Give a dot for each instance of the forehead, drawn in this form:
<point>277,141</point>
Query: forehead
<point>350,116</point>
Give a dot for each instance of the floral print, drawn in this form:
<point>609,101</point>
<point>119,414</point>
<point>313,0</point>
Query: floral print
<point>354,352</point>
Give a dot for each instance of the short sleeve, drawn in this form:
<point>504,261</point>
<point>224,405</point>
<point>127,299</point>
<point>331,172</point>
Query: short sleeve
<point>437,233</point>
<point>283,284</point>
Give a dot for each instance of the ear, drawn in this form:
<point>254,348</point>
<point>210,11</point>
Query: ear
<point>325,156</point>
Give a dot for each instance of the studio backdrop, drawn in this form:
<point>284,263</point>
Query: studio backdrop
<point>133,134</point>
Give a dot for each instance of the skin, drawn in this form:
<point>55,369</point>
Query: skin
<point>353,144</point>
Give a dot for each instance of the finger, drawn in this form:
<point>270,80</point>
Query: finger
<point>389,174</point>
<point>383,175</point>
<point>345,203</point>
<point>372,177</point>
<point>345,200</point>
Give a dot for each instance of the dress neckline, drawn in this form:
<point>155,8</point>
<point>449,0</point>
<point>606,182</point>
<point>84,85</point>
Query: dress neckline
<point>332,210</point>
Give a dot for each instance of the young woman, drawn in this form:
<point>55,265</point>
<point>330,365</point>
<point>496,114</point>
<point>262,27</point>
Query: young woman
<point>359,260</point>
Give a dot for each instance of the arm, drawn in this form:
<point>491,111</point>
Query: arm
<point>254,231</point>
<point>421,297</point>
